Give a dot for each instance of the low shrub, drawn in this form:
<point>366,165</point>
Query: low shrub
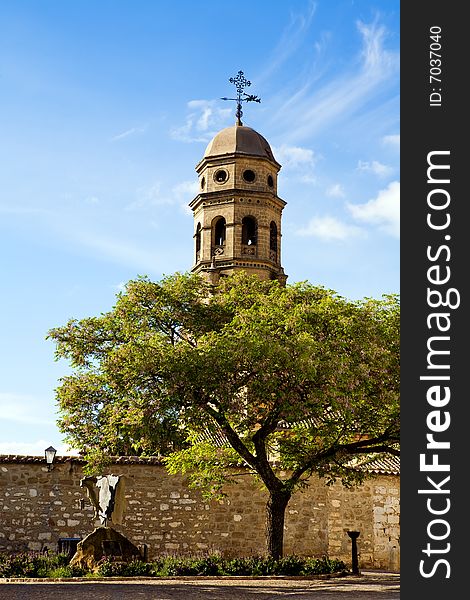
<point>236,566</point>
<point>322,566</point>
<point>30,564</point>
<point>35,564</point>
<point>109,567</point>
<point>171,566</point>
<point>65,572</point>
<point>254,566</point>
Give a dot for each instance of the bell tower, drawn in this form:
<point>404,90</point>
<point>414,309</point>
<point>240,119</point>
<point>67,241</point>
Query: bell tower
<point>237,212</point>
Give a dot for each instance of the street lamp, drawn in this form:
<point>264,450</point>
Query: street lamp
<point>50,455</point>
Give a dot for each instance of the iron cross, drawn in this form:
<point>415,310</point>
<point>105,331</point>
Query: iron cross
<point>241,82</point>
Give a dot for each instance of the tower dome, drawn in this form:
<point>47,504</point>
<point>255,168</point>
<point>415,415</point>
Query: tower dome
<point>239,139</point>
<point>237,211</point>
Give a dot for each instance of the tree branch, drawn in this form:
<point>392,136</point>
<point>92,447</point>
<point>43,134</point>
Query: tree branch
<point>232,436</point>
<point>366,446</point>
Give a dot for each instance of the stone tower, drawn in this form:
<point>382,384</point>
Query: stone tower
<point>237,212</point>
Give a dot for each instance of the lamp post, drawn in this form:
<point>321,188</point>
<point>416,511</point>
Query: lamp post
<point>50,455</point>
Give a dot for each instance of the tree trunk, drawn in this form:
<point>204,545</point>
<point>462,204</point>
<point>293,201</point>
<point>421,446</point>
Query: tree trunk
<point>275,512</point>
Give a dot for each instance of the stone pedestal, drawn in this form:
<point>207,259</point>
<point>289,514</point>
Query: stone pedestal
<point>104,542</point>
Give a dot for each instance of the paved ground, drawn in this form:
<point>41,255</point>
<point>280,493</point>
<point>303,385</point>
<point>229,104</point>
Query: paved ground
<point>370,585</point>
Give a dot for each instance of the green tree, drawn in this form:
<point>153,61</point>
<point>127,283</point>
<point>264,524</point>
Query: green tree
<point>289,381</point>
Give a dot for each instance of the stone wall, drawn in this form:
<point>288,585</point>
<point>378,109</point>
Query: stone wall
<point>37,507</point>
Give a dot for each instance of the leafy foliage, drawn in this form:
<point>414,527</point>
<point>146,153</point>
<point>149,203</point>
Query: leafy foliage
<point>284,381</point>
<point>55,566</point>
<point>109,567</point>
<point>36,564</point>
<point>215,565</point>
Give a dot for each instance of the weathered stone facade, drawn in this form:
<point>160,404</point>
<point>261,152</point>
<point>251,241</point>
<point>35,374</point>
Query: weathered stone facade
<point>38,507</point>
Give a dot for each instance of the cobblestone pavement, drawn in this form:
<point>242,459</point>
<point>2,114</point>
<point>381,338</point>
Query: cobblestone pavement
<point>369,585</point>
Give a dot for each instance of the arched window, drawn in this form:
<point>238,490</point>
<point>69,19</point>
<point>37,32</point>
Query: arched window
<point>219,228</point>
<point>273,236</point>
<point>249,231</point>
<point>198,240</point>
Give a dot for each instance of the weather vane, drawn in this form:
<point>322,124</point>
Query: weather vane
<point>241,82</point>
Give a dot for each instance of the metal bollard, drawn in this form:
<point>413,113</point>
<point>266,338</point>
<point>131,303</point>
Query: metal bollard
<point>145,552</point>
<point>354,561</point>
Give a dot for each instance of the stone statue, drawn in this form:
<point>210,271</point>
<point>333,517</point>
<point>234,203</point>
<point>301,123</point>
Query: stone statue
<point>106,493</point>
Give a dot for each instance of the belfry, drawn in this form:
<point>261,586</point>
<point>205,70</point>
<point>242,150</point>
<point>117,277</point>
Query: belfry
<point>237,212</point>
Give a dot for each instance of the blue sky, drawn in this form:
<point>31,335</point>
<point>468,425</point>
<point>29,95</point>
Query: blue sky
<point>105,109</point>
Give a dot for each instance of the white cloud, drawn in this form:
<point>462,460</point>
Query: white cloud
<point>35,448</point>
<point>297,161</point>
<point>207,111</point>
<point>120,287</point>
<point>152,196</point>
<point>329,228</point>
<point>184,192</point>
<point>294,157</point>
<point>392,140</point>
<point>117,249</point>
<point>128,132</point>
<point>375,167</point>
<point>205,118</point>
<point>308,178</point>
<point>384,210</point>
<point>148,197</point>
<point>375,58</point>
<point>23,408</point>
<point>186,189</point>
<point>306,113</point>
<point>335,191</point>
<point>290,41</point>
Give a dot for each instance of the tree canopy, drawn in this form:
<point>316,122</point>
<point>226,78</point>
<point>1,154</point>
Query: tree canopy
<point>286,381</point>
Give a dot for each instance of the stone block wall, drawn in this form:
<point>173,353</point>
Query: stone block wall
<point>37,507</point>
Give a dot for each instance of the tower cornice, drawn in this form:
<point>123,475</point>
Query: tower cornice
<point>222,159</point>
<point>237,194</point>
